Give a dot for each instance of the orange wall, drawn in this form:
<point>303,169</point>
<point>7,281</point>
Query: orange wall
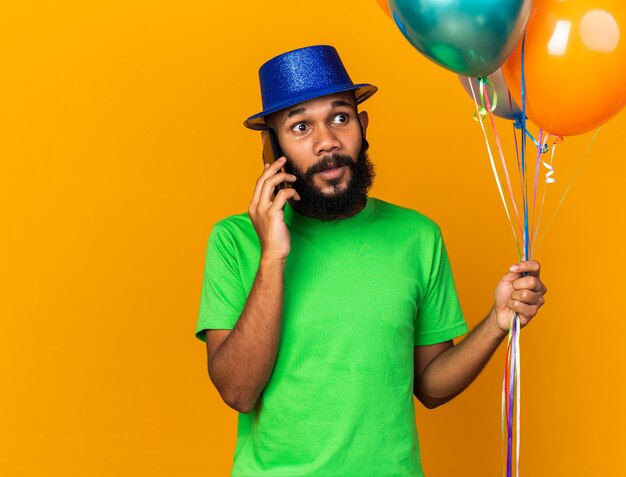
<point>121,144</point>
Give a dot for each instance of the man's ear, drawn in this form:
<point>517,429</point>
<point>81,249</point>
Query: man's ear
<point>263,135</point>
<point>364,120</point>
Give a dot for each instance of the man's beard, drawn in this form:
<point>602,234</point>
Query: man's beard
<point>342,203</point>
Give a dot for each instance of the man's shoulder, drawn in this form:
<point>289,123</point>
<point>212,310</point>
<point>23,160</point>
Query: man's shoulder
<point>235,226</point>
<point>236,220</point>
<point>405,216</point>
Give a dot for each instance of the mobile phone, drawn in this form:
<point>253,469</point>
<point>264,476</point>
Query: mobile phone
<point>272,152</point>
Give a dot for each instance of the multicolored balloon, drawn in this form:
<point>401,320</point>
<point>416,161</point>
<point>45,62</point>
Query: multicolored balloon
<point>574,64</point>
<point>506,107</point>
<point>469,37</point>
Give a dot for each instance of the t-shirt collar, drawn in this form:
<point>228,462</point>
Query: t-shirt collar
<point>295,220</point>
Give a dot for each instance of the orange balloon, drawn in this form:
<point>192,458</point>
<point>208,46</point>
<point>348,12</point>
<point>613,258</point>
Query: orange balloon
<point>574,64</point>
<point>385,6</point>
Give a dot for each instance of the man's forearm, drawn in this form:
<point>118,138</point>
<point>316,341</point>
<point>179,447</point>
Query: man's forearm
<point>243,364</point>
<point>453,370</point>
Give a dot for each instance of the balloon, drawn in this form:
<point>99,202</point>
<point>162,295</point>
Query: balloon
<point>385,6</point>
<point>469,37</point>
<point>506,106</point>
<point>574,64</point>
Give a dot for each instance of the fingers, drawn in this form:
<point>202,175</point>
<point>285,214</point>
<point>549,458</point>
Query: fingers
<point>521,291</point>
<point>269,186</point>
<point>269,171</point>
<point>528,292</point>
<point>530,283</point>
<point>524,310</point>
<point>282,197</point>
<point>266,184</point>
<point>528,297</point>
<point>531,267</point>
<point>516,271</point>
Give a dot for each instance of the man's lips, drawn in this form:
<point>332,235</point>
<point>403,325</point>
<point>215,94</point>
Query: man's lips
<point>332,172</point>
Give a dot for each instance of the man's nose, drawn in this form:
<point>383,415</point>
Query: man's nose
<point>326,141</point>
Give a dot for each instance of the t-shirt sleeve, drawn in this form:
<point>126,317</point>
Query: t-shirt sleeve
<point>439,317</point>
<point>223,294</point>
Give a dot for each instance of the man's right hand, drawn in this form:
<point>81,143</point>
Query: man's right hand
<point>241,360</point>
<point>267,215</point>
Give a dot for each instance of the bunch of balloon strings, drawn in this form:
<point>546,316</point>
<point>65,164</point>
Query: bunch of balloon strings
<point>525,222</point>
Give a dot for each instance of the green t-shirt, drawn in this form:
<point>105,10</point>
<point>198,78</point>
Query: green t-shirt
<point>360,293</point>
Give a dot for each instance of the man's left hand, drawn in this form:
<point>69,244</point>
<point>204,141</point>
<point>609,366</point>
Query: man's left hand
<point>519,291</point>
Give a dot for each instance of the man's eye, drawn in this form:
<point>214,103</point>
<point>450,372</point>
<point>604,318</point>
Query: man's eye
<point>300,127</point>
<point>340,118</point>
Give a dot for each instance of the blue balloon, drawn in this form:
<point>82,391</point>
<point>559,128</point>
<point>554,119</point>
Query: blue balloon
<point>469,37</point>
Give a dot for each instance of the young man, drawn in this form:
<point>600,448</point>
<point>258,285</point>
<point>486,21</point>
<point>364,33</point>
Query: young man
<point>324,310</point>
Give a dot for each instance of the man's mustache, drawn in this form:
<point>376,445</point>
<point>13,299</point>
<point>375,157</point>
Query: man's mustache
<point>336,160</point>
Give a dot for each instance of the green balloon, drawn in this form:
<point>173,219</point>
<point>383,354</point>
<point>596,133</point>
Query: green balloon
<point>469,37</point>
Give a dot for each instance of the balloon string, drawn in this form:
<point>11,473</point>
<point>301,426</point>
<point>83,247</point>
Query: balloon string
<point>505,400</point>
<point>511,400</point>
<point>548,180</point>
<point>482,83</point>
<point>503,407</point>
<point>485,99</point>
<point>511,387</point>
<point>518,124</point>
<point>481,112</point>
<point>518,379</point>
<point>541,142</point>
<point>515,126</point>
<point>568,187</point>
<point>510,102</point>
<point>517,157</point>
<point>493,167</point>
<point>512,377</point>
<point>505,380</point>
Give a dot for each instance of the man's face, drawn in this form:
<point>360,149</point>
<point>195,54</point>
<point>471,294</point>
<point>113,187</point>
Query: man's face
<point>324,142</point>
